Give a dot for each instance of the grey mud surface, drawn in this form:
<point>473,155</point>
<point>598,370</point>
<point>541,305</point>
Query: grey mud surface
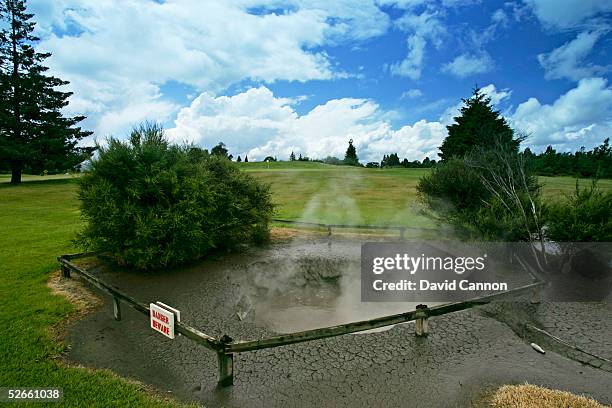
<point>465,354</point>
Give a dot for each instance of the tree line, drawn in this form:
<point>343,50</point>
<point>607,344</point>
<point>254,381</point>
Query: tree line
<point>583,163</point>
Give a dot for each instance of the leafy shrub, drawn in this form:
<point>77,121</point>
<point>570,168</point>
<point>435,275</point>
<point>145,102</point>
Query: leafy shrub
<point>488,194</point>
<point>584,216</point>
<point>452,186</point>
<point>152,204</point>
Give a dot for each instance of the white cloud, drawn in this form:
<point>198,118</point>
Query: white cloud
<point>411,65</point>
<point>345,19</point>
<point>411,93</point>
<point>500,17</point>
<point>580,117</point>
<point>567,13</point>
<point>566,61</point>
<point>117,54</point>
<point>414,142</point>
<point>425,27</point>
<point>496,96</point>
<point>466,65</point>
<point>259,124</point>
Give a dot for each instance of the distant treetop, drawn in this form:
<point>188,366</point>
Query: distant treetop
<point>478,125</point>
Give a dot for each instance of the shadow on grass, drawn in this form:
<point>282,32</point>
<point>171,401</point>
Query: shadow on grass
<point>29,183</point>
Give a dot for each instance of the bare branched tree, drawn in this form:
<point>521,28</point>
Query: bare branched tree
<point>504,174</point>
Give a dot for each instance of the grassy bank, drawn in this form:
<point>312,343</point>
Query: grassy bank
<point>38,221</point>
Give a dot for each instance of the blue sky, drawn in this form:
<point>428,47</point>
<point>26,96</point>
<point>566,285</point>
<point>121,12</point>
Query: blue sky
<point>271,77</point>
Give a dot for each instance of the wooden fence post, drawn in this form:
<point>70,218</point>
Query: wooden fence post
<point>329,230</point>
<point>421,327</point>
<point>402,230</point>
<point>536,296</point>
<point>116,308</point>
<point>65,271</point>
<point>226,364</point>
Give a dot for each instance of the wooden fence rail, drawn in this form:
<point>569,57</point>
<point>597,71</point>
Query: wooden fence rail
<point>118,297</point>
<point>225,347</point>
<point>329,227</point>
<point>422,312</point>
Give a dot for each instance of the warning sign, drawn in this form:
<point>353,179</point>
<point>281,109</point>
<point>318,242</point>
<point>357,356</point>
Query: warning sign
<point>163,318</point>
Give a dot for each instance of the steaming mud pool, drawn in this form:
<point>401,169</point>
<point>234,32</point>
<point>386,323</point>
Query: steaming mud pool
<point>302,285</point>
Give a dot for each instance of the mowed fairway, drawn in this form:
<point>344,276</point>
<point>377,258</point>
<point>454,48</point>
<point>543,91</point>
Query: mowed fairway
<point>316,192</point>
<point>39,218</point>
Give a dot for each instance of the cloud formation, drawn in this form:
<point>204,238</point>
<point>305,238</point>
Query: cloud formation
<point>423,28</point>
<point>567,60</point>
<point>259,124</point>
<point>466,65</point>
<point>117,54</point>
<point>580,117</point>
<point>125,58</point>
<point>561,14</point>
<point>411,93</point>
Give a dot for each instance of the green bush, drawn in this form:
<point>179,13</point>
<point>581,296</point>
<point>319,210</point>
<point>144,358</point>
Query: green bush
<point>585,216</point>
<point>452,186</point>
<point>153,204</point>
<point>488,194</point>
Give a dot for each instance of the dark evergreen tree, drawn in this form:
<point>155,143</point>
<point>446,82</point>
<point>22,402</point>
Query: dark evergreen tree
<point>383,161</point>
<point>583,163</point>
<point>292,156</point>
<point>479,125</point>
<point>246,159</point>
<point>391,160</point>
<point>239,159</point>
<point>350,157</point>
<point>219,150</point>
<point>33,132</point>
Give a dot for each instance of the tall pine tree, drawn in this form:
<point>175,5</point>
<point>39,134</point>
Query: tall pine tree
<point>33,132</point>
<point>479,125</point>
<point>350,157</point>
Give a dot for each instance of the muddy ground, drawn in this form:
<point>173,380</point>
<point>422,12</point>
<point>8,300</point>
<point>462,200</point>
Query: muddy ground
<point>466,353</point>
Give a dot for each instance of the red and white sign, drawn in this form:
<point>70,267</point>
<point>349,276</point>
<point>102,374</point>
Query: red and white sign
<point>163,318</point>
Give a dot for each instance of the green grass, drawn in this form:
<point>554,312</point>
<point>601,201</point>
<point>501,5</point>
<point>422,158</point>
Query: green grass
<point>558,187</point>
<point>318,192</point>
<point>38,221</point>
<point>39,218</point>
<point>6,178</point>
